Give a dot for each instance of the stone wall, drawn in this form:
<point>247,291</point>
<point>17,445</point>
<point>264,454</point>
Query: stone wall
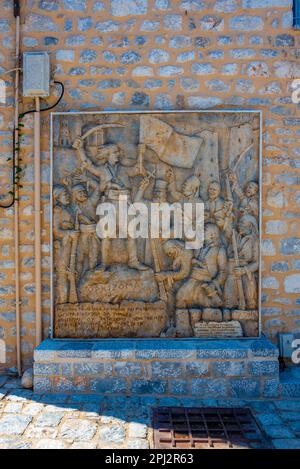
<point>160,54</point>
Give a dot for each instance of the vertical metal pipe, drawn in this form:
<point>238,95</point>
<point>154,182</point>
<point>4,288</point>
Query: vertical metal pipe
<point>16,205</point>
<point>37,221</point>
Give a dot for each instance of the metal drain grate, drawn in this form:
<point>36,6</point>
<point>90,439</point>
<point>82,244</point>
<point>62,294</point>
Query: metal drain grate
<point>206,427</point>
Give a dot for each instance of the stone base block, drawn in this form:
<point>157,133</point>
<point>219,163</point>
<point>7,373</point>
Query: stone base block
<point>290,382</point>
<point>237,368</point>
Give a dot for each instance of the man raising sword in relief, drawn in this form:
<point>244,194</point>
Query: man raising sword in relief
<point>112,186</point>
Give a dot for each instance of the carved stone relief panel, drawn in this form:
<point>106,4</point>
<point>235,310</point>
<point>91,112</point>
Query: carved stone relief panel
<point>153,285</point>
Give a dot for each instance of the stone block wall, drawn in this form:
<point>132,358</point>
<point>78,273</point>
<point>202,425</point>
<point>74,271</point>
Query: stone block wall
<point>182,368</point>
<point>159,54</point>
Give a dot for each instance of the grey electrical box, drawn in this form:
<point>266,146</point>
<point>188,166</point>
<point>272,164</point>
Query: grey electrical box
<point>285,344</point>
<point>36,74</point>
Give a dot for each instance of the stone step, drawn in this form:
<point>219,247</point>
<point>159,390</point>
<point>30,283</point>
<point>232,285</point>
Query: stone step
<point>192,368</point>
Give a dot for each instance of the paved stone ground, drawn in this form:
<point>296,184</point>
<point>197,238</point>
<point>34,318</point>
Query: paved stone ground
<point>29,420</point>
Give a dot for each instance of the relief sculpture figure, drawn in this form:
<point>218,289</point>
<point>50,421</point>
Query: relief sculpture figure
<point>217,209</point>
<point>189,191</point>
<point>189,194</point>
<point>154,252</point>
<point>248,255</point>
<point>181,267</point>
<point>84,206</point>
<point>204,287</point>
<point>63,233</point>
<point>248,197</point>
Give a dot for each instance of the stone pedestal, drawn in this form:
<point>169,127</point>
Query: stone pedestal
<point>239,368</point>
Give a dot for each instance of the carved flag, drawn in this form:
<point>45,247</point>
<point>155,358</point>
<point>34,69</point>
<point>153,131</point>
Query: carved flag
<point>171,147</point>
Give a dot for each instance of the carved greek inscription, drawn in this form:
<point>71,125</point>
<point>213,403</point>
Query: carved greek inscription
<point>217,329</point>
<point>133,319</point>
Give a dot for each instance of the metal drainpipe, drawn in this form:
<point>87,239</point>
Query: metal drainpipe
<point>37,222</point>
<point>16,204</point>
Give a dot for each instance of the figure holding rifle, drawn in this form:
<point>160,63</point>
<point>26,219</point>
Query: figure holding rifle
<point>73,297</point>
<point>65,234</point>
<point>240,289</point>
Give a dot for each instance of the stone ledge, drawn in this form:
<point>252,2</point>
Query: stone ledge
<point>161,367</point>
<point>155,348</point>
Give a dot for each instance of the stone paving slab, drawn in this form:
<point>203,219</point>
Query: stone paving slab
<point>37,421</point>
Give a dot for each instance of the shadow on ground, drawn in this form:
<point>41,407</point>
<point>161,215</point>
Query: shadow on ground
<point>58,421</point>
